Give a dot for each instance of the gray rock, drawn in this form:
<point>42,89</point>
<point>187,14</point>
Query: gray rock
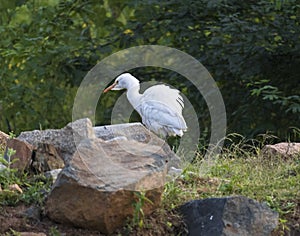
<point>64,140</point>
<point>230,216</point>
<point>52,174</point>
<point>33,213</point>
<point>132,131</point>
<point>136,132</point>
<point>2,167</point>
<point>96,190</point>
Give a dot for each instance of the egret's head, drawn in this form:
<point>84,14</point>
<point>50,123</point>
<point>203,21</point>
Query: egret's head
<point>123,81</point>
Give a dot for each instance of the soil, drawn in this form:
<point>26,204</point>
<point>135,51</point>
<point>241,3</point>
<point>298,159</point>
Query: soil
<point>13,219</point>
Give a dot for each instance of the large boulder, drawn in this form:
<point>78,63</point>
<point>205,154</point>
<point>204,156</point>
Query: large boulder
<point>98,187</point>
<point>105,170</point>
<point>283,150</point>
<point>229,216</point>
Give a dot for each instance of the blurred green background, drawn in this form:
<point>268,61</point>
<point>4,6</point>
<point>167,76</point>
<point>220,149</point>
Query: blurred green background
<point>251,48</point>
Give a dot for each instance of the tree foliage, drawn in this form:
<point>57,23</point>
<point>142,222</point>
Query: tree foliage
<point>251,48</point>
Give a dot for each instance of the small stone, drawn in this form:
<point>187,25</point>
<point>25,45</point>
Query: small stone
<point>33,213</point>
<point>15,187</point>
<point>52,174</point>
<point>2,167</point>
<point>31,234</point>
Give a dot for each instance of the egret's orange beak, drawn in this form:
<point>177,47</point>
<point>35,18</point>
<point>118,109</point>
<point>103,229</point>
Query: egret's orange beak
<point>110,87</point>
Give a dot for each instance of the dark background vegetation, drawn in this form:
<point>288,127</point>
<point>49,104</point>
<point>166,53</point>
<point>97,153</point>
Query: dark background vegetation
<point>251,48</point>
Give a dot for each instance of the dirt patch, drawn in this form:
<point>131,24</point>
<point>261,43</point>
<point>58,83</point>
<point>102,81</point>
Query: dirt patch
<point>12,218</point>
<point>161,222</point>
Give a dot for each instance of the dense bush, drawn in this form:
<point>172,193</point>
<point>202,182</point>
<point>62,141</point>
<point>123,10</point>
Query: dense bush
<point>251,48</point>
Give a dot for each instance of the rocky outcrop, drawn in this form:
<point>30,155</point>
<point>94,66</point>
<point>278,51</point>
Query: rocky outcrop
<point>97,189</point>
<point>104,171</point>
<point>61,143</point>
<point>283,150</point>
<point>230,216</point>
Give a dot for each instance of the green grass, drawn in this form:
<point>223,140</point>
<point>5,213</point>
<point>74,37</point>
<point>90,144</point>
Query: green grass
<point>34,187</point>
<point>242,170</point>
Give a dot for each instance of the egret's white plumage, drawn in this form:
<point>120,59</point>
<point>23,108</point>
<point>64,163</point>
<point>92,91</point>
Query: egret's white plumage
<point>160,106</point>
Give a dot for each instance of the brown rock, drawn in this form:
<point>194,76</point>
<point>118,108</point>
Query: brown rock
<point>46,158</point>
<point>23,152</point>
<point>284,150</point>
<point>15,187</point>
<point>96,190</point>
<point>3,139</point>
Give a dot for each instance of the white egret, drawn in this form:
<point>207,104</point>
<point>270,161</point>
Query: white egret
<point>160,106</point>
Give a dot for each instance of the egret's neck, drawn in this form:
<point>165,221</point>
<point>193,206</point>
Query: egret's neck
<point>134,96</point>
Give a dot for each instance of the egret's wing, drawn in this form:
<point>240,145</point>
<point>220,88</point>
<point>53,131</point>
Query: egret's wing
<point>159,116</point>
<point>165,95</point>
